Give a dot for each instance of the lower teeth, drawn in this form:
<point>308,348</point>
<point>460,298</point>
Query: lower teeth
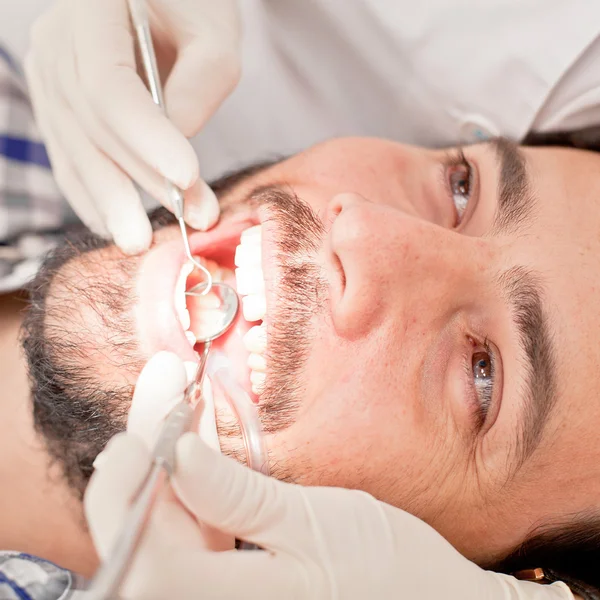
<point>191,338</point>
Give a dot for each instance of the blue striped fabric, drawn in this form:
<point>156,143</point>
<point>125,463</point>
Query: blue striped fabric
<point>24,151</point>
<point>32,211</point>
<point>27,577</point>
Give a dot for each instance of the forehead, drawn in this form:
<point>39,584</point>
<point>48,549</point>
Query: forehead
<point>562,244</point>
<point>567,185</point>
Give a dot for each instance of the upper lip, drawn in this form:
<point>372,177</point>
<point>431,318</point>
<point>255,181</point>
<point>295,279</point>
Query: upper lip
<point>158,325</point>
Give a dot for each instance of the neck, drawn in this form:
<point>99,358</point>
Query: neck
<point>38,513</point>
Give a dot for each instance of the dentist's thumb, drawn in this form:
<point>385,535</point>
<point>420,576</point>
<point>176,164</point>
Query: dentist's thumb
<point>120,470</point>
<point>232,498</point>
<point>203,76</point>
<point>121,467</point>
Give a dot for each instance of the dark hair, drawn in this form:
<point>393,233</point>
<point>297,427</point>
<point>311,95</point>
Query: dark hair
<point>73,417</point>
<point>587,138</point>
<point>568,552</point>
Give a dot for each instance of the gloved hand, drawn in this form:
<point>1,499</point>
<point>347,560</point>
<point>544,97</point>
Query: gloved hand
<point>98,119</point>
<point>321,543</point>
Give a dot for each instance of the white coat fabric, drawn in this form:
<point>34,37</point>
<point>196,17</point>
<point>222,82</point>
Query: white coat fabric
<point>435,73</point>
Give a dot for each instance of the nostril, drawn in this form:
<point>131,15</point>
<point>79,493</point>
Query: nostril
<point>341,202</point>
<point>332,212</point>
<point>337,263</point>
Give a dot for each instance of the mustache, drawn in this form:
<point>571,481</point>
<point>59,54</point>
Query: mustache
<point>300,295</point>
<point>76,411</point>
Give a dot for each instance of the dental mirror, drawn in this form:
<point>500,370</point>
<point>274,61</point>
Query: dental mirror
<point>229,305</point>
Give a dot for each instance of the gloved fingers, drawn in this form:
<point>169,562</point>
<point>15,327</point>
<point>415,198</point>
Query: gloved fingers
<point>199,195</point>
<point>233,574</point>
<point>120,470</point>
<point>127,457</point>
<point>158,389</point>
<point>148,179</point>
<point>190,101</point>
<point>231,498</point>
<point>169,532</point>
<point>114,194</point>
<point>208,61</point>
<point>66,177</point>
<point>81,172</point>
<point>257,575</point>
<point>110,81</point>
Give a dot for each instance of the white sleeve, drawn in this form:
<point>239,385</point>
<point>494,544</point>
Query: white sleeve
<point>574,103</point>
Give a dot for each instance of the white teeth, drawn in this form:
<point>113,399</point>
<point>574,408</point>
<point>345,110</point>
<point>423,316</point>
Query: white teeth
<point>206,323</point>
<point>226,274</point>
<point>254,307</point>
<point>208,302</point>
<point>257,362</point>
<point>179,299</point>
<point>258,381</point>
<point>184,317</point>
<point>215,270</point>
<point>255,339</point>
<point>191,338</point>
<point>251,289</point>
<point>248,260</point>
<point>252,234</point>
<point>248,255</point>
<point>250,280</point>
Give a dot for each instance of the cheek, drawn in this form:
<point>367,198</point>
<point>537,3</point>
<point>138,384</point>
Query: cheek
<point>89,319</point>
<point>361,424</point>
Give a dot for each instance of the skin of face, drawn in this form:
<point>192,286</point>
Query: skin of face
<point>388,397</point>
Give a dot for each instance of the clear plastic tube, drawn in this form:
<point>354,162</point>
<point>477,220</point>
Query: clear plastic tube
<point>219,370</point>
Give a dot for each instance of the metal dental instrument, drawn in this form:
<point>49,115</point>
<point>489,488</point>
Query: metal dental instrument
<point>139,18</point>
<point>110,575</point>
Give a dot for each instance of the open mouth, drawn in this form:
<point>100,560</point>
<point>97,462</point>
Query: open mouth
<point>167,319</point>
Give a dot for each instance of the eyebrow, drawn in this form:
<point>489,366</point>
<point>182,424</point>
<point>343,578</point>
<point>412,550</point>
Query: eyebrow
<point>522,289</point>
<point>516,202</point>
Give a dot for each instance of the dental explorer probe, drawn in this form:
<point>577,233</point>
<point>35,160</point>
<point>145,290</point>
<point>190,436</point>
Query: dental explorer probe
<point>110,575</point>
<point>141,25</point>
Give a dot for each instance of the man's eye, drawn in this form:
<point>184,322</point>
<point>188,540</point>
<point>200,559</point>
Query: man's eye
<point>484,374</point>
<point>460,183</point>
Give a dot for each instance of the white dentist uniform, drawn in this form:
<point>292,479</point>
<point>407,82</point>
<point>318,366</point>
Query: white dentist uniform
<point>435,73</point>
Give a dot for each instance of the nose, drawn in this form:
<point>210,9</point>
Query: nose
<point>394,264</point>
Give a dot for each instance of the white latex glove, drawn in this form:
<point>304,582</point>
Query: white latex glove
<point>322,543</point>
<point>98,119</point>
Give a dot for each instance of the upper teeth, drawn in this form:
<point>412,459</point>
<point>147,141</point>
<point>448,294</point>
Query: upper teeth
<point>249,274</point>
<point>251,287</point>
<point>180,306</point>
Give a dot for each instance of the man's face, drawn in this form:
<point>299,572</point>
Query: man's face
<point>431,326</point>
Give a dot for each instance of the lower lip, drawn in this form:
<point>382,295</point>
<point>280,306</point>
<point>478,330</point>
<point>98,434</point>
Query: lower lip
<point>158,327</point>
